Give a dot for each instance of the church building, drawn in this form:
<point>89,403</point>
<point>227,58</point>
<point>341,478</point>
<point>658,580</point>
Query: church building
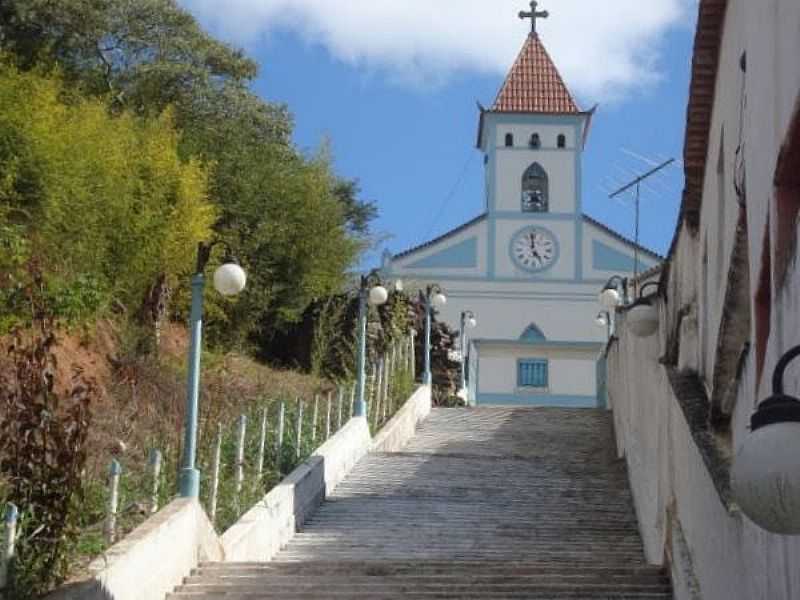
<point>531,266</point>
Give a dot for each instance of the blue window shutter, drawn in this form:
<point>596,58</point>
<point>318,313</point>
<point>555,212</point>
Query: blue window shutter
<point>532,373</point>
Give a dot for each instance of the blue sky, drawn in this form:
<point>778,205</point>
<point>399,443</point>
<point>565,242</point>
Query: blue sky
<point>398,104</point>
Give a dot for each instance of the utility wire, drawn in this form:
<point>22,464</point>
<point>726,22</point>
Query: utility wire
<point>449,196</point>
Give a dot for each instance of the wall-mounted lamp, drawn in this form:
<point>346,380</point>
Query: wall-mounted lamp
<point>642,316</point>
<point>765,477</point>
<point>614,293</point>
<point>603,319</point>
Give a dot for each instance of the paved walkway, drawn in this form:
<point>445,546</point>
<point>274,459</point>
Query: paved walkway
<point>482,503</point>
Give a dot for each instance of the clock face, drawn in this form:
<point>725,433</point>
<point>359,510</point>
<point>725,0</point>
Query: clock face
<point>534,249</point>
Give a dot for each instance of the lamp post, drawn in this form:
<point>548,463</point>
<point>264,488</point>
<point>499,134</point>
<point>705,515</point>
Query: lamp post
<point>467,320</point>
<point>765,477</point>
<point>434,298</point>
<point>370,292</point>
<point>229,280</point>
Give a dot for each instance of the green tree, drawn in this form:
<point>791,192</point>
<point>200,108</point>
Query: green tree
<point>104,203</point>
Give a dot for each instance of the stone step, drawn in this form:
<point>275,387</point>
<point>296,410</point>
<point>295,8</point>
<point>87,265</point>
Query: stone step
<point>495,503</point>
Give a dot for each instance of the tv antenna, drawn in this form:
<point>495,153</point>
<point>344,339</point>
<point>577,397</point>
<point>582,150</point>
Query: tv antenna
<point>636,183</point>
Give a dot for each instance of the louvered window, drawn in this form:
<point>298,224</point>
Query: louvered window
<point>532,373</point>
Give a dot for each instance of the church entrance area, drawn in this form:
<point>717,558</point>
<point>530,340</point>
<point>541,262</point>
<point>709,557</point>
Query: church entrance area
<point>545,373</point>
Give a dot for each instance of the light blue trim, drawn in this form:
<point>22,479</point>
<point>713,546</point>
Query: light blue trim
<point>533,362</point>
<point>508,215</point>
<point>463,255</point>
<point>543,345</point>
<point>606,258</point>
<point>491,259</point>
<point>533,334</point>
<point>530,119</point>
<point>491,278</point>
<point>602,379</point>
<point>555,400</point>
<point>578,204</point>
<point>547,267</point>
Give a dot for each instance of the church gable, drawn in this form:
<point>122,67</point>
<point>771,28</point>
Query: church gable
<point>463,255</point>
<point>607,252</point>
<point>461,251</point>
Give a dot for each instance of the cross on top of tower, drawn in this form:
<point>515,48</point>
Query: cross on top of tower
<point>533,15</point>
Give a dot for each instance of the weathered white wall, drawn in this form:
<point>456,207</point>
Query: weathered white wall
<point>571,372</point>
<point>731,558</point>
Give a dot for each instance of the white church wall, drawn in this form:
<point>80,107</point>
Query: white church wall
<point>560,318</point>
<point>428,259</point>
<point>548,135</point>
<point>562,230</point>
<point>512,164</point>
<point>571,373</point>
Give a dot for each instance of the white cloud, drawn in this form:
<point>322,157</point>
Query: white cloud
<point>603,49</point>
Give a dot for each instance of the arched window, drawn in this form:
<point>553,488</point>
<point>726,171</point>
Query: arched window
<point>532,333</point>
<point>562,140</point>
<point>535,142</point>
<point>509,140</point>
<point>535,197</point>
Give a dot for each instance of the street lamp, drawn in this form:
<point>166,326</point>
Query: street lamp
<point>467,320</point>
<point>642,316</point>
<point>229,280</point>
<point>434,298</point>
<point>603,319</point>
<point>614,293</point>
<point>370,292</point>
<point>765,477</point>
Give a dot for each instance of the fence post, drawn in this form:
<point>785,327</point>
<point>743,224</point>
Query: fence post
<point>113,501</point>
<point>328,418</point>
<point>412,357</point>
<point>279,441</point>
<point>154,461</point>
<point>380,377</point>
<point>339,402</point>
<point>299,438</point>
<point>212,509</point>
<point>240,437</point>
<point>314,421</point>
<point>9,542</point>
<point>262,445</point>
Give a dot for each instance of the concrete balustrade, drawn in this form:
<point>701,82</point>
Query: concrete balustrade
<point>156,556</point>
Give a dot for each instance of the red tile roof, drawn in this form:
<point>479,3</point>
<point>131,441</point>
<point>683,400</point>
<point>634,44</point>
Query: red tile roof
<point>534,84</point>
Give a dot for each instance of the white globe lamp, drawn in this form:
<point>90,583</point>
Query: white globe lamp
<point>229,279</point>
<point>765,477</point>
<point>642,319</point>
<point>378,295</point>
<point>472,323</point>
<point>609,298</point>
<point>439,300</point>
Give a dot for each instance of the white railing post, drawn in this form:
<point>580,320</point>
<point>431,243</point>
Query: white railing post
<point>339,402</point>
<point>412,362</point>
<point>212,509</point>
<point>262,445</point>
<point>241,432</point>
<point>299,428</point>
<point>154,461</point>
<point>314,421</point>
<point>279,441</point>
<point>352,400</point>
<point>113,501</point>
<point>9,545</point>
<point>328,418</point>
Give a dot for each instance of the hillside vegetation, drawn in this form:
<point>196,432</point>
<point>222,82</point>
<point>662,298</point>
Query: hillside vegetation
<point>127,136</point>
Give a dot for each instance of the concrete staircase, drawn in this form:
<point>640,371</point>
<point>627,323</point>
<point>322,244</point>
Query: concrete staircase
<point>483,503</point>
